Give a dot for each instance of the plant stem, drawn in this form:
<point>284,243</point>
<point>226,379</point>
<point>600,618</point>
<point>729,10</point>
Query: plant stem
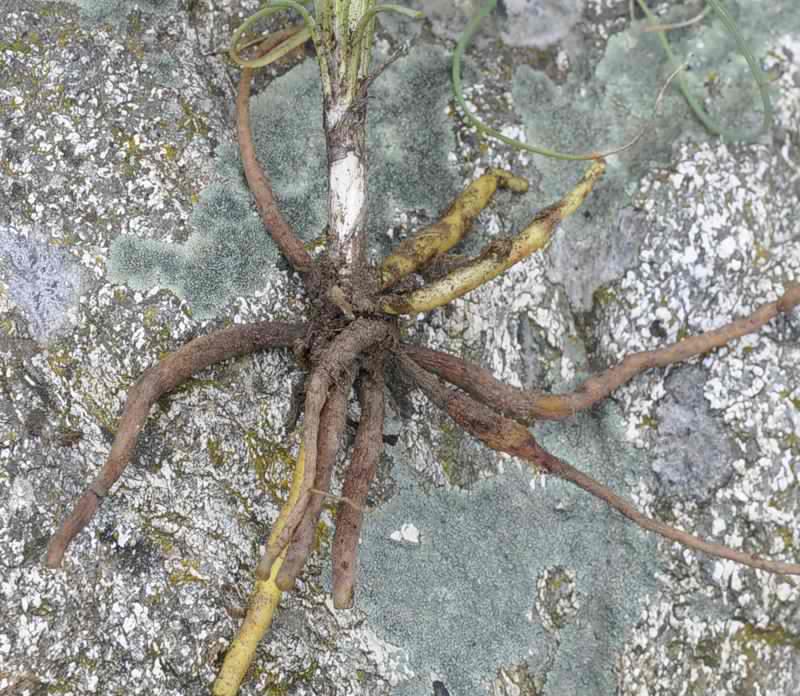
<point>344,121</point>
<point>345,135</point>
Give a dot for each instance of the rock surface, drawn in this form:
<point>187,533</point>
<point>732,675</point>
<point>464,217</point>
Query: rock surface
<point>125,230</point>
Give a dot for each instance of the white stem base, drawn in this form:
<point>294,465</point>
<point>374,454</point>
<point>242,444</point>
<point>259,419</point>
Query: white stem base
<point>347,201</point>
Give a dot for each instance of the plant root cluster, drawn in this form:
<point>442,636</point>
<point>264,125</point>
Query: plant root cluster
<point>349,341</point>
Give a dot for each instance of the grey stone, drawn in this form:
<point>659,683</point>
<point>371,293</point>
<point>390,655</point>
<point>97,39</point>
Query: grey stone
<point>694,455</point>
<point>539,23</point>
<point>121,130</point>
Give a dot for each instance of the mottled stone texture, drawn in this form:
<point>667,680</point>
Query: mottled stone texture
<point>126,229</point>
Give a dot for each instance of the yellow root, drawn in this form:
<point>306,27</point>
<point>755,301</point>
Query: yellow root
<point>263,602</point>
<point>415,252</point>
<point>499,256</point>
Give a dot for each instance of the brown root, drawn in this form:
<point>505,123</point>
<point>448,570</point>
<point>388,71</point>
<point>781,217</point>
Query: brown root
<point>506,435</point>
<point>366,455</point>
<point>282,234</point>
<point>340,355</point>
<point>332,423</point>
<point>527,406</point>
<point>172,371</point>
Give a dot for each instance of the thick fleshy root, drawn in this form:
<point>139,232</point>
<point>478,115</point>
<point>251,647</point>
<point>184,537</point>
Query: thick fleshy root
<point>506,435</point>
<point>498,256</point>
<point>366,455</point>
<point>424,246</point>
<point>528,406</point>
<point>171,372</point>
<point>332,423</point>
<point>282,234</point>
<point>263,602</point>
<point>339,356</point>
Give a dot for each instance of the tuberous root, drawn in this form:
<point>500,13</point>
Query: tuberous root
<point>498,256</point>
<point>418,250</point>
<point>263,602</point>
<point>366,454</point>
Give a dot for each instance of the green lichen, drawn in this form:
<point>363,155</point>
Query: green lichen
<point>191,385</point>
<point>649,422</point>
<point>242,499</point>
<point>618,103</point>
<point>149,317</point>
<point>192,122</point>
<point>708,651</point>
<point>8,327</point>
<point>786,536</point>
<point>281,684</point>
<point>60,687</point>
<point>224,258</point>
<point>447,451</point>
<point>215,452</point>
<point>134,42</point>
<point>118,11</point>
<point>60,360</point>
<point>188,573</point>
<point>127,144</point>
<point>273,464</point>
<point>603,296</point>
<point>749,637</point>
<point>100,413</point>
<point>161,539</point>
<point>525,683</point>
<point>170,152</point>
<point>792,441</point>
<point>322,536</point>
<point>433,598</point>
<point>228,253</point>
<point>793,400</point>
<point>22,44</point>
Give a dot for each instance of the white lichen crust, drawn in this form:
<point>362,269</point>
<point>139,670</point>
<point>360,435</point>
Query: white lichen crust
<point>722,240</point>
<point>117,129</point>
